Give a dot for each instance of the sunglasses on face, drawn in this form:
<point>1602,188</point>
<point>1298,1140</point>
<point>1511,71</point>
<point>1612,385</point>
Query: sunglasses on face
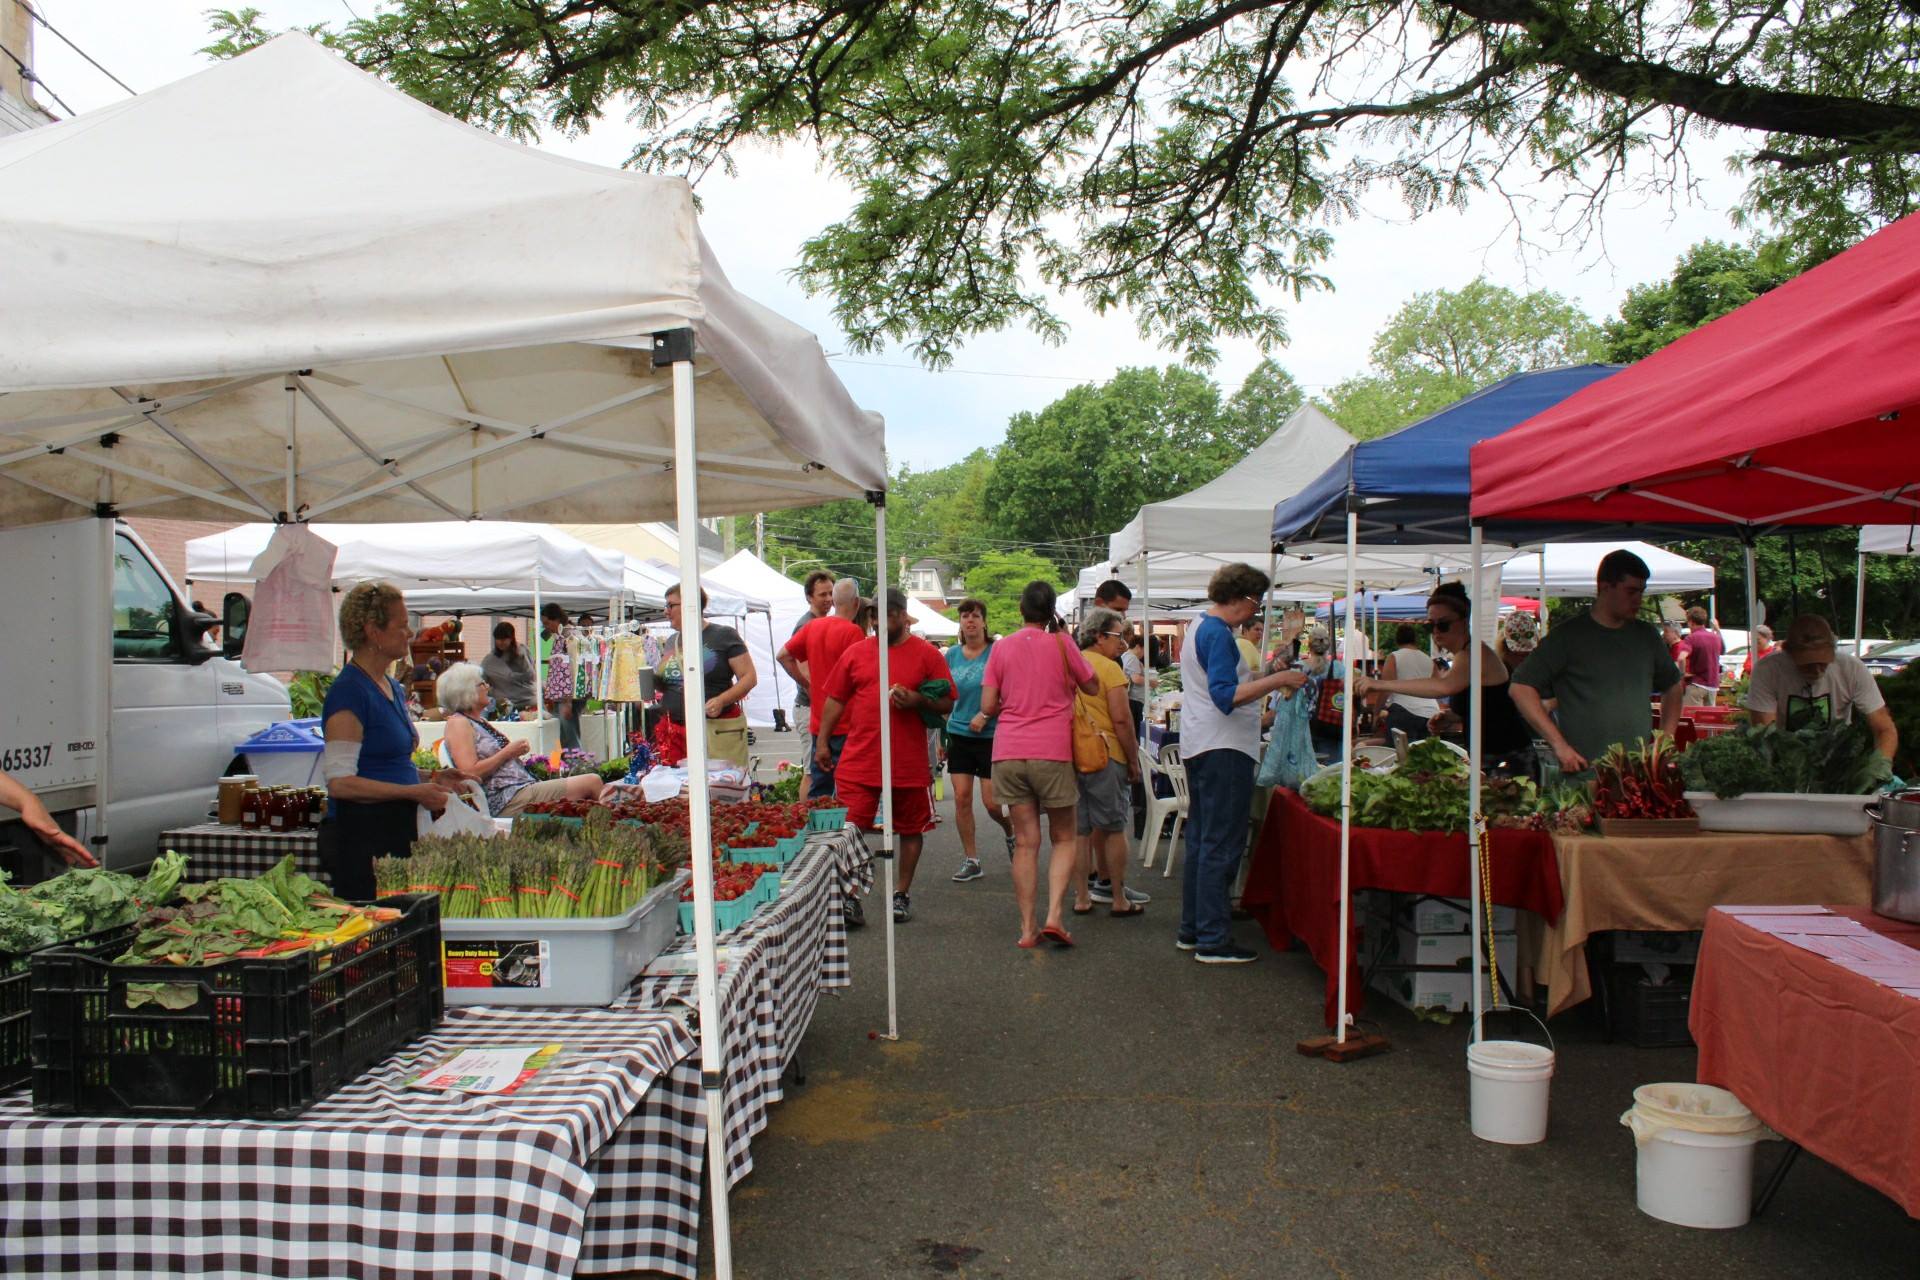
<point>1445,624</point>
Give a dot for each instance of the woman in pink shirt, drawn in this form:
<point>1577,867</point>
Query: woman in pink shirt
<point>1032,676</point>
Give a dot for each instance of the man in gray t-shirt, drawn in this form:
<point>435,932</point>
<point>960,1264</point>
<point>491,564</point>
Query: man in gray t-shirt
<point>1806,681</point>
<point>1601,669</point>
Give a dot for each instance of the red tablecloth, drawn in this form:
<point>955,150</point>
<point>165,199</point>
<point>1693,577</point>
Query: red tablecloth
<point>1828,1058</point>
<point>1293,883</point>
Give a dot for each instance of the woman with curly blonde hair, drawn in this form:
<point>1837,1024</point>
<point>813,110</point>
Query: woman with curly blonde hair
<point>374,792</point>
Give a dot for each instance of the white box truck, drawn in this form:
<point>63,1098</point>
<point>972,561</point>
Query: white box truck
<point>110,694</point>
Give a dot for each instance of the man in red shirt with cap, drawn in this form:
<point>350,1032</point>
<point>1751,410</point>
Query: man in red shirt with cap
<point>851,706</point>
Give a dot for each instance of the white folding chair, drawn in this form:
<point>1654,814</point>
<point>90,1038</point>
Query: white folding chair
<point>1160,808</point>
<point>1176,770</point>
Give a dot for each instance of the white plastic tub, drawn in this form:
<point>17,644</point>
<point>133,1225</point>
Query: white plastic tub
<point>1508,1090</point>
<point>1786,812</point>
<point>558,962</point>
<point>1694,1166</point>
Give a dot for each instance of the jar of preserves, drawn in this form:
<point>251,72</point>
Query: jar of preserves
<point>316,805</point>
<point>277,809</point>
<point>252,805</point>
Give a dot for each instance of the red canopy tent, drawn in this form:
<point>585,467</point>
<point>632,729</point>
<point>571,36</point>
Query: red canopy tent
<point>1802,407</point>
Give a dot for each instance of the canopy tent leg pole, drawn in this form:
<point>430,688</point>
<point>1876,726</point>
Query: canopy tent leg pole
<point>886,746</point>
<point>539,662</point>
<point>1266,613</point>
<point>1475,829</point>
<point>1753,592</point>
<point>1859,605</point>
<point>1543,590</point>
<point>293,397</point>
<point>103,731</point>
<point>1340,1047</point>
<point>675,348</point>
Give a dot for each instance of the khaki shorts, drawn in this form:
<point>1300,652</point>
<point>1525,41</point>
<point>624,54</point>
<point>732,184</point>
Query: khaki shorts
<point>1051,784</point>
<point>532,793</point>
<point>1698,695</point>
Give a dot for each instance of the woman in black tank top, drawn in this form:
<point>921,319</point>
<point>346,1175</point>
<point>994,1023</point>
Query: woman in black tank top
<point>1504,732</point>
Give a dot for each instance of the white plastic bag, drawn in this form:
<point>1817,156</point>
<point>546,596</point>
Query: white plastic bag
<point>465,815</point>
<point>291,627</point>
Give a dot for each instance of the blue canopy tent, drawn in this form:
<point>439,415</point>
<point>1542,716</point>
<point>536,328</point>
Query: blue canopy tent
<point>1411,489</point>
<point>1384,606</point>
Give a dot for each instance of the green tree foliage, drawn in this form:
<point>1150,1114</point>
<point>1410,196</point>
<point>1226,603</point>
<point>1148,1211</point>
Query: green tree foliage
<point>1710,280</point>
<point>999,578</point>
<point>1081,467</point>
<point>1446,344</point>
<point>1182,159</point>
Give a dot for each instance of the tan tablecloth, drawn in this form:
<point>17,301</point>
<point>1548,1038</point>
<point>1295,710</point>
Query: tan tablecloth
<point>1669,883</point>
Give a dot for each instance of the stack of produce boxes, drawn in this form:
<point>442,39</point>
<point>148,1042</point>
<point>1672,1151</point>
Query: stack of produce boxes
<point>1417,929</point>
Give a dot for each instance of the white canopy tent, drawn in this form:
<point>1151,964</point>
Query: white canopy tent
<point>655,576</point>
<point>1877,540</point>
<point>1570,568</point>
<point>1235,508</point>
<point>282,288</point>
<point>443,567</point>
<point>786,602</point>
<point>931,624</point>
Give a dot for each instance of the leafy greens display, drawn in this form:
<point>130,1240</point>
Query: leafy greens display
<point>1428,792</point>
<point>1828,759</point>
<point>80,902</point>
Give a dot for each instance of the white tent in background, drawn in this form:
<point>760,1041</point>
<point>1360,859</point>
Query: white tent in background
<point>931,624</point>
<point>1878,540</point>
<point>764,633</point>
<point>445,567</point>
<point>1571,568</point>
<point>656,576</point>
<point>1235,508</point>
<point>327,300</point>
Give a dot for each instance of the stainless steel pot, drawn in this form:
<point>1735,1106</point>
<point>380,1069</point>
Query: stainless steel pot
<point>1896,872</point>
<point>1901,809</point>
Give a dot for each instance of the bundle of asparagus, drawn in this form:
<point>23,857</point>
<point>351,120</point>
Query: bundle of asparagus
<point>599,869</point>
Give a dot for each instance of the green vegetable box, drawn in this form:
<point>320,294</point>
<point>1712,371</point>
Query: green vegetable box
<point>546,961</point>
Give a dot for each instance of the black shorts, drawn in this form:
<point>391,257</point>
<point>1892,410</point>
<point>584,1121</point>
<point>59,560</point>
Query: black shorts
<point>971,756</point>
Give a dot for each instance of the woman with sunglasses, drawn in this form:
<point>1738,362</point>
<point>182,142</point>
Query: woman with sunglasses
<point>1503,734</point>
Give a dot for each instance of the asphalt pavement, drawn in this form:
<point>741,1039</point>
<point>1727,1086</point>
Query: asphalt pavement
<point>1117,1110</point>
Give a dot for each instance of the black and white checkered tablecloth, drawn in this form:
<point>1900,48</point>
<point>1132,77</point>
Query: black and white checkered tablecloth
<point>775,964</point>
<point>595,1167</point>
<point>213,850</point>
<point>377,1181</point>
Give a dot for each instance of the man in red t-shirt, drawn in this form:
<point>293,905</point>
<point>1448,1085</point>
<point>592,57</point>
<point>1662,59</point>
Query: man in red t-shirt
<point>810,656</point>
<point>851,698</point>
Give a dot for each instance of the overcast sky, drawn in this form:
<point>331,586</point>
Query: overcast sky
<point>757,221</point>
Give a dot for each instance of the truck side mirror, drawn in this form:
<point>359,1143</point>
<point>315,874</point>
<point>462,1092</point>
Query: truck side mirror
<point>235,610</point>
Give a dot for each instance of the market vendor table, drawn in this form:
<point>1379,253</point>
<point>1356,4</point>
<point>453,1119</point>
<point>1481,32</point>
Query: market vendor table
<point>594,1167</point>
<point>213,850</point>
<point>1828,1057</point>
<point>1670,883</point>
<point>1293,883</point>
<point>377,1181</point>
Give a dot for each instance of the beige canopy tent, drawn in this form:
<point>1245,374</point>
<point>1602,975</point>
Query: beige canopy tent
<point>282,290</point>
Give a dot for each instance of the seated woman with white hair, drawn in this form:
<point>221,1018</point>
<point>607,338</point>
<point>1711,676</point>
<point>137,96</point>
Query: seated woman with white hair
<point>482,751</point>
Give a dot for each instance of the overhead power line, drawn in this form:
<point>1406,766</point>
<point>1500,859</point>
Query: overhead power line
<point>36,15</point>
<point>26,74</point>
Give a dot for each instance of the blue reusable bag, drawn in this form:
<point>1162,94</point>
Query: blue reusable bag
<point>1289,758</point>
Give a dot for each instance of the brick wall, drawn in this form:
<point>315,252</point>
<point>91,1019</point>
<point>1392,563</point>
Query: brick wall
<point>168,541</point>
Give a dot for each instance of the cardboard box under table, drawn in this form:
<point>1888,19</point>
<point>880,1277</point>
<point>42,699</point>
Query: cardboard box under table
<point>1293,883</point>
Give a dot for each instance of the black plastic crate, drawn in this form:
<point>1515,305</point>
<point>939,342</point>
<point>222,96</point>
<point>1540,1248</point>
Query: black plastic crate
<point>264,1039</point>
<point>1649,1016</point>
<point>16,1039</point>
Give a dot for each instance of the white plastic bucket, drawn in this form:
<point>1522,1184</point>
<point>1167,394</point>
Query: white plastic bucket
<point>1695,1159</point>
<point>1697,1179</point>
<point>1508,1087</point>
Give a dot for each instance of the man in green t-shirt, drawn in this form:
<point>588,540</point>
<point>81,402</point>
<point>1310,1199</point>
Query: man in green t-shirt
<point>1600,669</point>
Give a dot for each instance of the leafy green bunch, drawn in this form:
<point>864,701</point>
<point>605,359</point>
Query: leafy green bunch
<point>80,902</point>
<point>1828,759</point>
